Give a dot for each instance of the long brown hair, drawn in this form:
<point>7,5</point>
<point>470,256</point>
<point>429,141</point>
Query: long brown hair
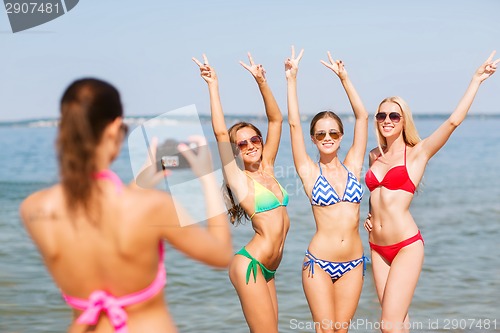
<point>87,107</point>
<point>235,211</point>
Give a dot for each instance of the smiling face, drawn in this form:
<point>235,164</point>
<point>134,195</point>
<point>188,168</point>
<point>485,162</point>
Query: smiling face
<point>390,126</point>
<point>249,145</point>
<point>327,135</point>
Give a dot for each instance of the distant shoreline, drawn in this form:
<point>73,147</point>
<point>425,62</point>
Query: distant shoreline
<point>52,122</point>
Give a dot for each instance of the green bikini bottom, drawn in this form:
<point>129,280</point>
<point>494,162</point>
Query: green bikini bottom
<point>252,267</point>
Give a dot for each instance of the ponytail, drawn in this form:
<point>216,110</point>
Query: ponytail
<point>87,107</point>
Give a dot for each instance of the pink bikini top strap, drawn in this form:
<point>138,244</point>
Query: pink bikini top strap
<point>100,300</point>
<point>111,176</point>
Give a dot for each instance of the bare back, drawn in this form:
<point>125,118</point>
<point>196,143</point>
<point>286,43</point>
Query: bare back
<point>117,253</point>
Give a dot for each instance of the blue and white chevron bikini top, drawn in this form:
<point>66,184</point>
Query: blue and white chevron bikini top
<point>323,194</point>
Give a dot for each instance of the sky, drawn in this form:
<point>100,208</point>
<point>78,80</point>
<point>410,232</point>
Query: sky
<point>424,51</point>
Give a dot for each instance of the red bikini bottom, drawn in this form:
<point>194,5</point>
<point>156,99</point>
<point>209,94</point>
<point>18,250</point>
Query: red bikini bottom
<point>389,252</point>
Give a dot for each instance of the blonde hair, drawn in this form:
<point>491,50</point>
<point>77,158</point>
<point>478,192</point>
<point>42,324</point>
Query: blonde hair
<point>410,133</point>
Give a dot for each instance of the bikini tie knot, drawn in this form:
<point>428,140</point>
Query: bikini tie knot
<point>309,264</point>
<point>101,301</point>
<point>252,268</point>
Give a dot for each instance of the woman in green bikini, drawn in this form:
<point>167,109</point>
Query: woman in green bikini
<point>255,194</point>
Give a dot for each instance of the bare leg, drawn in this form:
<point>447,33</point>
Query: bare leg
<point>332,305</point>
<point>259,307</point>
<point>271,286</point>
<point>347,291</point>
<point>380,273</point>
<point>400,287</point>
<point>319,294</point>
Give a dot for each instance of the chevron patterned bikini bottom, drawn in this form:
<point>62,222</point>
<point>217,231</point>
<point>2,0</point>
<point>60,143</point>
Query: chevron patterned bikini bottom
<point>334,269</point>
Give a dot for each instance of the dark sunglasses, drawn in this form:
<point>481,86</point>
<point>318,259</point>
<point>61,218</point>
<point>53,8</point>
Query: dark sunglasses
<point>255,140</point>
<point>321,135</point>
<point>393,116</point>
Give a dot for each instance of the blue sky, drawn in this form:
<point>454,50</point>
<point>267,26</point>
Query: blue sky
<point>424,51</point>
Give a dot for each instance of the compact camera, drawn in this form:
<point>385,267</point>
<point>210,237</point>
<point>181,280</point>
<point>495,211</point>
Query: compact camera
<point>169,157</point>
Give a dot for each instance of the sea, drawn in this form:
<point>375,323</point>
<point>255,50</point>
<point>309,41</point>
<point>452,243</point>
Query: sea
<point>457,208</point>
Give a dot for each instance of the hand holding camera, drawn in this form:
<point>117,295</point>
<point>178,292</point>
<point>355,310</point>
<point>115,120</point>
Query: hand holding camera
<point>168,155</point>
<point>174,155</point>
<point>198,158</point>
<point>149,175</point>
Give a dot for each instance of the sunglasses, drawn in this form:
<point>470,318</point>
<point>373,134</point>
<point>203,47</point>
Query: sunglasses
<point>393,116</point>
<point>321,135</point>
<point>255,140</point>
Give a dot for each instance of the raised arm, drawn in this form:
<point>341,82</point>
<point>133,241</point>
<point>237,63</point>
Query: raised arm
<point>211,245</point>
<point>232,173</point>
<point>274,117</point>
<point>301,160</point>
<point>432,144</point>
<point>356,153</point>
<point>210,76</point>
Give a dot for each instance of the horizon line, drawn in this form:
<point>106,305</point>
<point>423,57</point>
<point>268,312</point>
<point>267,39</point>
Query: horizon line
<point>232,115</point>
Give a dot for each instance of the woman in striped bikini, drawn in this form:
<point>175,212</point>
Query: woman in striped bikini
<point>396,167</point>
<point>335,255</point>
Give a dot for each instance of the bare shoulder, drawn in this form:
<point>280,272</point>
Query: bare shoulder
<point>149,199</point>
<point>41,204</point>
<point>374,153</point>
<point>154,204</point>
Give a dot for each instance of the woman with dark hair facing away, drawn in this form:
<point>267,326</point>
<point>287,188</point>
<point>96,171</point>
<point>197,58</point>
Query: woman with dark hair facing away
<point>396,168</point>
<point>334,262</point>
<point>254,194</point>
<point>102,242</point>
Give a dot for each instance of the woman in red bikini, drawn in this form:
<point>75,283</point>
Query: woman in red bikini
<point>102,241</point>
<point>396,167</point>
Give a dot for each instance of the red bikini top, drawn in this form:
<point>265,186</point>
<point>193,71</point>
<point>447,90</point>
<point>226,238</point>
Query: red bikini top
<point>396,178</point>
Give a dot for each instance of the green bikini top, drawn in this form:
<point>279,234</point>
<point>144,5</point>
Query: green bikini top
<point>265,199</point>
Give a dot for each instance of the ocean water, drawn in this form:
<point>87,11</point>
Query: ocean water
<point>457,208</point>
